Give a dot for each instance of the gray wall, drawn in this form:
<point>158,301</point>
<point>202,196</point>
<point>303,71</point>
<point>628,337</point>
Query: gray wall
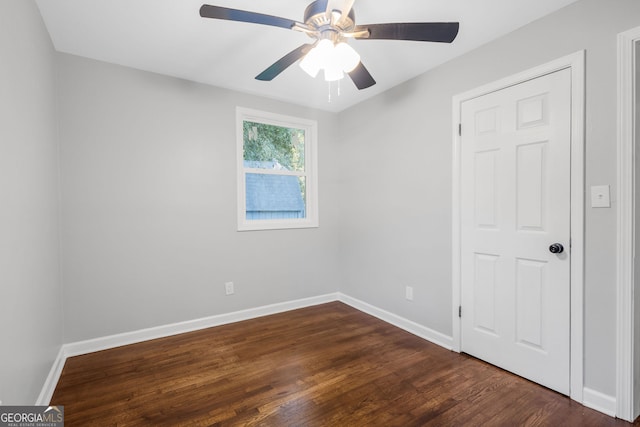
<point>30,316</point>
<point>149,205</point>
<point>396,175</point>
<point>637,240</point>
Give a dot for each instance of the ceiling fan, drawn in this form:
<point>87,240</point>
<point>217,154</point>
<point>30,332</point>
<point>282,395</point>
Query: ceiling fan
<point>332,23</point>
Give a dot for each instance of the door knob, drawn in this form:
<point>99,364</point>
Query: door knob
<point>556,248</point>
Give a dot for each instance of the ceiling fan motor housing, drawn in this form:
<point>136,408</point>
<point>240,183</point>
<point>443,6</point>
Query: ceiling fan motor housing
<point>316,17</point>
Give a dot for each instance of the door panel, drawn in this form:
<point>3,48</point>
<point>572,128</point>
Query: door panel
<point>486,188</point>
<point>530,287</point>
<point>515,203</point>
<point>530,189</point>
<point>485,292</point>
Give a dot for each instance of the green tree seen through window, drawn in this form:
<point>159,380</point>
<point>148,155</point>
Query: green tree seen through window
<point>270,143</point>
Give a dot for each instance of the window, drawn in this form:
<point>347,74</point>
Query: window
<point>277,171</point>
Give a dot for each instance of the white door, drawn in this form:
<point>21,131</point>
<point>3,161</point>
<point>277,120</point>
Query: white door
<point>515,204</point>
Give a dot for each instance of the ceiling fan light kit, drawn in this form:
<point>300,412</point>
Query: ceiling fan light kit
<point>334,60</point>
<point>331,23</point>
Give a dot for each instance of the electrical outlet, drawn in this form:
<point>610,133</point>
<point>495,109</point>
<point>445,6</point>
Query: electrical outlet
<point>228,288</point>
<point>408,293</point>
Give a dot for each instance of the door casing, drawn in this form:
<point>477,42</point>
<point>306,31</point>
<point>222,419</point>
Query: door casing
<point>576,63</point>
<point>627,405</point>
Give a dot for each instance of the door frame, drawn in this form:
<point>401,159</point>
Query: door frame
<point>626,408</point>
<point>576,63</point>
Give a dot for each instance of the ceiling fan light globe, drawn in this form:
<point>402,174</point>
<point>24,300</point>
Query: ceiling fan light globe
<point>346,56</point>
<point>311,64</point>
<point>324,51</point>
<point>332,74</point>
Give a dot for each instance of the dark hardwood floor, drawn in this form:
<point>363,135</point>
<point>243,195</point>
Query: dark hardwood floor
<point>328,365</point>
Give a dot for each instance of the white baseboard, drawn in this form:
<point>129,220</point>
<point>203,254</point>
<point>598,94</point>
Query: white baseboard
<point>111,341</point>
<point>592,399</point>
<point>402,323</point>
<point>599,401</point>
<point>52,379</point>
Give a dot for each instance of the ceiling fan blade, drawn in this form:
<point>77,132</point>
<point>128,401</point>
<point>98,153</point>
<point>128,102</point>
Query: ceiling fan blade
<point>344,6</point>
<point>283,63</point>
<point>444,32</point>
<point>217,12</point>
<point>361,77</point>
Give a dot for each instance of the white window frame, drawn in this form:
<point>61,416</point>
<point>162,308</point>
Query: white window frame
<point>310,173</point>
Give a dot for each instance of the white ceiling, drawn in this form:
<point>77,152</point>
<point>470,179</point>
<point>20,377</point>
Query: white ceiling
<point>169,37</point>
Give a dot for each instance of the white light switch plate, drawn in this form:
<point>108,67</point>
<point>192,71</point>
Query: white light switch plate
<point>600,197</point>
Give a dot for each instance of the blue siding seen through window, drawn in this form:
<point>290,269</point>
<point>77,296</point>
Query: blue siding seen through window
<point>273,196</point>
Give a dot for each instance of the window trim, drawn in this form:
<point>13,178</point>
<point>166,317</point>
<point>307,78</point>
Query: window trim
<point>311,170</point>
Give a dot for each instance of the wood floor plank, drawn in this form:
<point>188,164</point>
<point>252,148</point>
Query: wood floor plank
<point>328,365</point>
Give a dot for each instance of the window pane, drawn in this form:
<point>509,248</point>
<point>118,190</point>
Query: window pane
<point>275,196</point>
<point>273,147</point>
